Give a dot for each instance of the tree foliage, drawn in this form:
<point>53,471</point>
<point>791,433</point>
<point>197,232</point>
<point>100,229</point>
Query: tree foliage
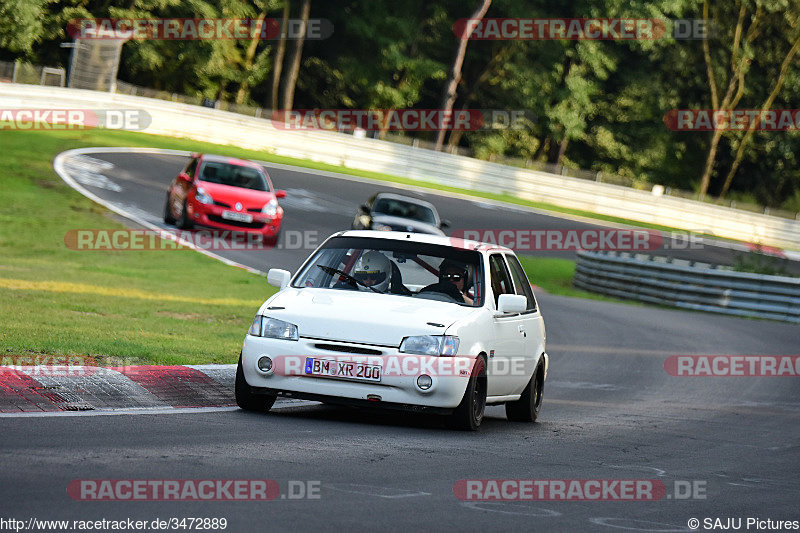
<point>599,105</point>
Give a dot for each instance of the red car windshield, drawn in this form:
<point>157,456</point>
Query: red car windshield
<point>233,175</point>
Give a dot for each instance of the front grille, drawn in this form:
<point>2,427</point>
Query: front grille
<point>236,223</point>
<point>221,204</point>
<point>347,349</point>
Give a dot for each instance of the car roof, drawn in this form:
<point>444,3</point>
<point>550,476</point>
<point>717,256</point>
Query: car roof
<point>425,238</point>
<point>225,159</point>
<point>410,199</point>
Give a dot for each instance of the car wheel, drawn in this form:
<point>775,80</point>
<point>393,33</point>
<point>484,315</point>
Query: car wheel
<point>527,408</point>
<point>245,397</point>
<point>168,218</point>
<point>469,413</point>
<point>183,221</point>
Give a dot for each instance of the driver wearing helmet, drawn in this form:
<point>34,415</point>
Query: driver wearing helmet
<point>373,269</point>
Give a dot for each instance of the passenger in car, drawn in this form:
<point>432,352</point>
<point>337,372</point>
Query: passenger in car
<point>453,281</point>
<point>458,277</point>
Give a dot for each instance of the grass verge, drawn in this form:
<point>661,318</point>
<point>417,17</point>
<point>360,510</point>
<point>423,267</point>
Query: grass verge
<point>117,307</point>
<point>555,276</point>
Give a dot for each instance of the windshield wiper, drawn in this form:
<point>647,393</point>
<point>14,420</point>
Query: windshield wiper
<point>332,271</point>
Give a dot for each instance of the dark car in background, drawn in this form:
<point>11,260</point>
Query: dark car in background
<point>225,193</point>
<point>396,212</point>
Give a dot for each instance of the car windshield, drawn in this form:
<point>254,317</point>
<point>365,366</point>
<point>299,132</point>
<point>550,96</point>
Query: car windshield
<point>233,175</point>
<point>403,209</point>
<point>403,268</point>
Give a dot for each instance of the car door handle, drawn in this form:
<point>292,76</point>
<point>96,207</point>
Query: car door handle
<point>522,330</point>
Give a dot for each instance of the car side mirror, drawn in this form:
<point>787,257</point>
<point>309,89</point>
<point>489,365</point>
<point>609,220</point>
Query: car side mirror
<point>364,208</point>
<point>511,303</point>
<point>278,277</point>
<point>280,193</point>
<point>444,223</point>
<point>183,176</point>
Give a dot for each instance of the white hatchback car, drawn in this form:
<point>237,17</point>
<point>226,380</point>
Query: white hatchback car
<point>400,320</point>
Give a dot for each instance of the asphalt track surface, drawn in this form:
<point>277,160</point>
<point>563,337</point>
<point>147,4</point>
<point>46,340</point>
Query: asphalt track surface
<point>611,412</point>
<point>317,205</point>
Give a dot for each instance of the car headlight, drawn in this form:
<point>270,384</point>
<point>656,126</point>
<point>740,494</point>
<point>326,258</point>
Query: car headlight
<point>203,197</point>
<point>430,345</point>
<point>264,326</point>
<point>271,208</point>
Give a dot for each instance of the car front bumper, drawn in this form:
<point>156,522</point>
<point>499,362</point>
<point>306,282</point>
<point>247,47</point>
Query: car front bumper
<point>211,216</point>
<point>397,388</point>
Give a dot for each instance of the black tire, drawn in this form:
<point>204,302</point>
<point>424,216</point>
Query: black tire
<point>469,413</point>
<point>168,218</point>
<point>183,221</point>
<point>245,398</point>
<point>527,408</point>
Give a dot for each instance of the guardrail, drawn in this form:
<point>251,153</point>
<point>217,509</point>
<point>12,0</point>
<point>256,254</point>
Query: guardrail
<point>688,285</point>
<point>340,149</point>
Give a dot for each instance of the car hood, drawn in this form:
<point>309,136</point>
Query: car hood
<point>405,224</point>
<point>362,317</point>
<point>249,198</point>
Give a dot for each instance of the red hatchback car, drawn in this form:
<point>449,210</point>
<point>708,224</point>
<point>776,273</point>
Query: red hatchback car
<point>225,193</point>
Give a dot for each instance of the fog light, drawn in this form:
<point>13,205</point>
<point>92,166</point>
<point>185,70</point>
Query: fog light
<point>424,382</point>
<point>265,364</point>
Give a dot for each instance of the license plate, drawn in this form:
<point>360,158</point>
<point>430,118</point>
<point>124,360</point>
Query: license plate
<point>342,369</point>
<point>239,217</point>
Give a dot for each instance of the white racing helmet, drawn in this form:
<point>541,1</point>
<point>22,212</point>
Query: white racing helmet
<point>373,269</point>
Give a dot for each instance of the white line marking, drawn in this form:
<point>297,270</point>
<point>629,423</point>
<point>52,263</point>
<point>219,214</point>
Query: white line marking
<point>148,411</point>
<point>658,471</point>
<point>372,490</point>
<point>511,508</point>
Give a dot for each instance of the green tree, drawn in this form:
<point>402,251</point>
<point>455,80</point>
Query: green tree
<point>21,24</point>
<point>748,28</point>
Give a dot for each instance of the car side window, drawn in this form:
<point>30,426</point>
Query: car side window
<point>190,170</point>
<point>501,281</point>
<point>521,284</point>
